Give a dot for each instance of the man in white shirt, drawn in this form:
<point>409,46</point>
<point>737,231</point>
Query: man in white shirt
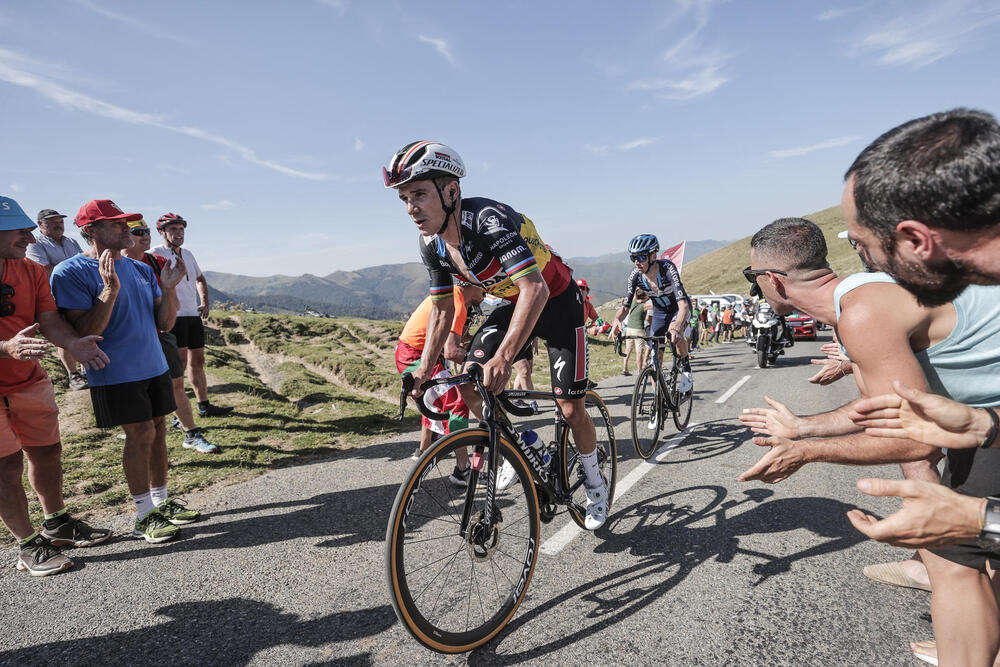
<point>52,246</point>
<point>192,295</point>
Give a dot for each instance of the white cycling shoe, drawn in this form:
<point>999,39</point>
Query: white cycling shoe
<point>686,383</point>
<point>506,476</point>
<point>597,507</point>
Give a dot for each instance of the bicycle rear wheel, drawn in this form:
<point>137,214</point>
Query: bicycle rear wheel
<point>607,458</point>
<point>646,416</point>
<point>451,593</point>
<point>681,402</point>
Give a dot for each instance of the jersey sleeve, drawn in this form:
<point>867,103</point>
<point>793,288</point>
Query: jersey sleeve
<point>670,273</point>
<point>43,294</point>
<point>502,233</point>
<point>441,284</point>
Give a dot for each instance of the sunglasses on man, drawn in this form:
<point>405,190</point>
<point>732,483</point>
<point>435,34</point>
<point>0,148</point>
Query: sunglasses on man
<point>752,274</point>
<point>139,232</point>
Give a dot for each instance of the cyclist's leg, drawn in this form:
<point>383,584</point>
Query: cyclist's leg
<point>482,348</point>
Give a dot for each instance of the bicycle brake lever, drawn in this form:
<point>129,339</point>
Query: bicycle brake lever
<point>407,388</point>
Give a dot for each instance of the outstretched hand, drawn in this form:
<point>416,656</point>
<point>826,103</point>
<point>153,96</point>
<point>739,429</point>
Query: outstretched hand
<point>927,418</point>
<point>85,351</point>
<point>777,420</point>
<point>24,346</point>
<point>171,274</point>
<point>831,371</point>
<point>932,514</point>
<point>778,464</point>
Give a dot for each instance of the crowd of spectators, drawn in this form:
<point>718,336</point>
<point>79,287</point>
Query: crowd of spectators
<point>112,309</point>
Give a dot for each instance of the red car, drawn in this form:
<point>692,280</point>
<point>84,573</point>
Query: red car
<point>803,326</point>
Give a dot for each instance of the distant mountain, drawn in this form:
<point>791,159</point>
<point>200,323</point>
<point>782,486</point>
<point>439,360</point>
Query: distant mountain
<point>392,291</point>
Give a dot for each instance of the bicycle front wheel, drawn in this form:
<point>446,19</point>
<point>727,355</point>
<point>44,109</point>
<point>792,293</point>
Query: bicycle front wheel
<point>681,402</point>
<point>607,458</point>
<point>646,416</point>
<point>455,593</point>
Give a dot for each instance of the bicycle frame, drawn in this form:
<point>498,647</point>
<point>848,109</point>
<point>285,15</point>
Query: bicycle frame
<point>497,424</point>
<point>655,344</point>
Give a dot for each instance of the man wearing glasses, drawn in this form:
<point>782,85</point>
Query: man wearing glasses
<point>29,418</point>
<point>660,279</point>
<point>193,437</point>
<point>52,246</point>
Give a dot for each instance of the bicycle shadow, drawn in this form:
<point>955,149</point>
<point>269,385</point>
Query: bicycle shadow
<point>231,631</point>
<point>666,532</point>
<point>707,440</point>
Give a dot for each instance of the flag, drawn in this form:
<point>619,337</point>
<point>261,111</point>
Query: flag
<point>675,254</point>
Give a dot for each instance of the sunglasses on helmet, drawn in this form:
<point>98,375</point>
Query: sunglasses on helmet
<point>393,179</point>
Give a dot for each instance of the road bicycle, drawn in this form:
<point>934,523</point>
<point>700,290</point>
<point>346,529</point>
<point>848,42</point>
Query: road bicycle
<point>655,395</point>
<point>459,561</point>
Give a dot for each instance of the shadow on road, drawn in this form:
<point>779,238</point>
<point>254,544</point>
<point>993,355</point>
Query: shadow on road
<point>223,632</point>
<point>662,532</point>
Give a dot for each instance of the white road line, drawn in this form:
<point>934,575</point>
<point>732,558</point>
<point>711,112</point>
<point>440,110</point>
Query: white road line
<point>732,390</point>
<point>565,535</point>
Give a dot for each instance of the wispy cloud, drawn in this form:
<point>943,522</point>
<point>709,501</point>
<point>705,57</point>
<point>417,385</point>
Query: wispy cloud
<point>441,47</point>
<point>602,149</point>
<point>134,23</point>
<point>220,205</point>
<point>805,150</point>
<point>16,187</point>
<point>923,36</point>
<point>837,12</point>
<point>358,144</point>
<point>637,143</point>
<point>691,70</point>
<point>14,69</point>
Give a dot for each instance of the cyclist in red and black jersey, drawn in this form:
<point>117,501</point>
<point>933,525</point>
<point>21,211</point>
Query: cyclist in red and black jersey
<point>488,243</point>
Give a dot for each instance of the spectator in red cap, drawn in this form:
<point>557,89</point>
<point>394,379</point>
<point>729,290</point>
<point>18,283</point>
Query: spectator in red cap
<point>103,293</point>
<point>51,247</point>
<point>194,303</point>
<point>29,418</point>
<point>597,325</point>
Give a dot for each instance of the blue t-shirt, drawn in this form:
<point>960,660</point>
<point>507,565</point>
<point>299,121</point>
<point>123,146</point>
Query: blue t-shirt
<point>130,339</point>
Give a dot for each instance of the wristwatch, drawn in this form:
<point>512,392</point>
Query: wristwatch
<point>989,536</point>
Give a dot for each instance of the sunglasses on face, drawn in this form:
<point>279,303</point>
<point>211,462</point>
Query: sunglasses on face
<point>639,257</point>
<point>139,232</point>
<point>6,305</point>
<point>752,274</point>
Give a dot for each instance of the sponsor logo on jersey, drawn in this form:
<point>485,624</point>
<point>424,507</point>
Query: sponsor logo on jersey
<point>490,226</point>
<point>557,391</point>
<point>503,239</point>
<point>510,254</point>
<point>467,219</point>
<point>488,331</point>
<point>478,354</point>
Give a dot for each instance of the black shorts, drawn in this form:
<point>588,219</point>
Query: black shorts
<point>174,364</point>
<point>528,352</point>
<point>560,325</point>
<point>973,472</point>
<point>662,320</point>
<point>727,327</point>
<point>131,402</point>
<point>190,332</point>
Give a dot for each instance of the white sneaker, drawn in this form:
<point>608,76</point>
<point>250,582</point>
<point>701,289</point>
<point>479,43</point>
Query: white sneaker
<point>506,476</point>
<point>597,507</point>
<point>686,383</point>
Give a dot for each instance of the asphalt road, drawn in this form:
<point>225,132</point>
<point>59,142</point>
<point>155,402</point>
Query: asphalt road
<point>693,567</point>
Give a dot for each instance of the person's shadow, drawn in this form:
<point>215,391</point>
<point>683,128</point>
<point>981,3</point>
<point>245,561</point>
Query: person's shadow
<point>229,632</point>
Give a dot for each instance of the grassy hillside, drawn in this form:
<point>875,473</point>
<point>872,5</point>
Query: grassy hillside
<point>719,270</point>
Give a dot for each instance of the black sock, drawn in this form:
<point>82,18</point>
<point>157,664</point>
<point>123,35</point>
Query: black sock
<point>202,405</point>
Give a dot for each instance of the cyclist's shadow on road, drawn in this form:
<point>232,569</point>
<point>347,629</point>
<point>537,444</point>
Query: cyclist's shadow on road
<point>219,632</point>
<point>661,531</point>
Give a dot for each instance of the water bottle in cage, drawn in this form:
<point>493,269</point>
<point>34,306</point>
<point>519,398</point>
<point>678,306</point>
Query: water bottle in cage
<point>531,439</point>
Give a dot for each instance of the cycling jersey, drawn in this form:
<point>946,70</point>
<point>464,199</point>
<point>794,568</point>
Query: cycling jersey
<point>668,291</point>
<point>498,245</point>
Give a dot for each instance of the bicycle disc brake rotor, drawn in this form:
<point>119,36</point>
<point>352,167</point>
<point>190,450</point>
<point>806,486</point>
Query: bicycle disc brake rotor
<point>480,542</point>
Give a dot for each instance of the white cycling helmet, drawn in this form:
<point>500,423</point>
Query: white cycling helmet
<point>421,160</point>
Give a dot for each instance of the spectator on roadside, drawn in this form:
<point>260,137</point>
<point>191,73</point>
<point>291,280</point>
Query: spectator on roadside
<point>29,418</point>
<point>102,293</point>
<point>694,322</point>
<point>443,400</point>
<point>189,329</point>
<point>727,325</point>
<point>712,322</point>
<point>952,349</point>
<point>51,247</point>
<point>193,437</point>
<point>593,321</point>
<point>635,325</point>
<point>703,323</point>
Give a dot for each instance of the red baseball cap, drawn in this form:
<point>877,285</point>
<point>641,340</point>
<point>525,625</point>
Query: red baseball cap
<point>102,209</point>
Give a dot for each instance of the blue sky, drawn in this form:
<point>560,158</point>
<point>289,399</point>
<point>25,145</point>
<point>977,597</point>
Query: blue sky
<point>265,124</point>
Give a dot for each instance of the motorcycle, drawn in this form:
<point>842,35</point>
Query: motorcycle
<point>768,335</point>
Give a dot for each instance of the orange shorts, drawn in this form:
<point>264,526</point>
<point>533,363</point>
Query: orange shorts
<point>29,418</point>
